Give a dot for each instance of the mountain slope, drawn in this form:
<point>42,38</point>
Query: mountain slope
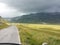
<point>38,18</point>
<point>3,23</point>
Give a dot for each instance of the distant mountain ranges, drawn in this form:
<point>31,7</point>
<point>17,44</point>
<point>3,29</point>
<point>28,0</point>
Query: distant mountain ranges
<point>44,17</point>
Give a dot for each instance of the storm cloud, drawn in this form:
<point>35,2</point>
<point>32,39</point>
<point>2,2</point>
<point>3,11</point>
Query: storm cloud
<point>34,5</point>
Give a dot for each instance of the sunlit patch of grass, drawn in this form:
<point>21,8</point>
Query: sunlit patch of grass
<point>36,34</point>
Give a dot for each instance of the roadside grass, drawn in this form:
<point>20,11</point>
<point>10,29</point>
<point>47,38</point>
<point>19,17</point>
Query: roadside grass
<point>36,34</point>
<point>3,26</point>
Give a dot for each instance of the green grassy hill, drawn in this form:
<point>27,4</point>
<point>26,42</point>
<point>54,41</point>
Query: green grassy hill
<point>3,23</point>
<point>38,18</point>
<point>3,26</point>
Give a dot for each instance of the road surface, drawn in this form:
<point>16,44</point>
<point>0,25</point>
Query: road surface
<point>10,35</point>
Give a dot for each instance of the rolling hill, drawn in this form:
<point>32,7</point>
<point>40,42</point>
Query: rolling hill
<point>3,23</point>
<point>44,17</point>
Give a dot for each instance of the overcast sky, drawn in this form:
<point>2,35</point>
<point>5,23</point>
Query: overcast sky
<point>14,8</point>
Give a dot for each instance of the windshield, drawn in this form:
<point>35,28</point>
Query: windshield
<point>30,22</point>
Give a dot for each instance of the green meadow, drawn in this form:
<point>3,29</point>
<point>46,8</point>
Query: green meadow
<point>36,34</point>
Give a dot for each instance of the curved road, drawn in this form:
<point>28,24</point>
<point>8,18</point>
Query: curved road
<point>10,35</point>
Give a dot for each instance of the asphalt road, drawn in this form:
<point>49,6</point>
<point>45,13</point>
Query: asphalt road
<point>10,35</point>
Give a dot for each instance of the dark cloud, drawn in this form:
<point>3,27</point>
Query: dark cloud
<point>34,5</point>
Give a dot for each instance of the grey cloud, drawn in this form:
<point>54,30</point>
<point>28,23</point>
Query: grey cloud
<point>34,5</point>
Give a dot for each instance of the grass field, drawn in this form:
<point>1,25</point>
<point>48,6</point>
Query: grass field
<point>36,34</point>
